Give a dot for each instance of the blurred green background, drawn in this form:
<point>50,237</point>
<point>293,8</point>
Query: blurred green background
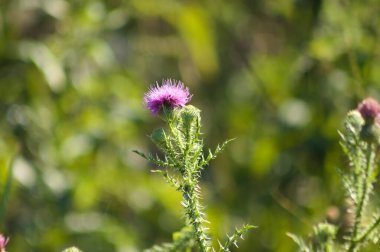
<point>277,75</point>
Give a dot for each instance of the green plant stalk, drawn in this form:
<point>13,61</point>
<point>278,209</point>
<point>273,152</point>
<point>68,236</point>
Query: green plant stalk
<point>195,216</point>
<point>359,210</point>
<point>190,188</point>
<point>369,231</point>
<point>183,149</point>
<point>6,192</point>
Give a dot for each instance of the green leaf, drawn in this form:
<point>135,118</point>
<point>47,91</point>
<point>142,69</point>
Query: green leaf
<point>233,239</point>
<point>212,156</point>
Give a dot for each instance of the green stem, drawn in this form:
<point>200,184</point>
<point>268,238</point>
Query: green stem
<point>195,216</point>
<point>359,210</point>
<point>368,232</point>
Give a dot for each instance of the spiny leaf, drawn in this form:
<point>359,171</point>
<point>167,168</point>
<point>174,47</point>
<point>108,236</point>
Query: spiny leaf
<point>169,179</point>
<point>232,240</point>
<point>155,160</point>
<point>141,154</point>
<point>211,156</point>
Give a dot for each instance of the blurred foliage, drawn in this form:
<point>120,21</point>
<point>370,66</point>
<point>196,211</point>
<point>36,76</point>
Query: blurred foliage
<point>277,75</point>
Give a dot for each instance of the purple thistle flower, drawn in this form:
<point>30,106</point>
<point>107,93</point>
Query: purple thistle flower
<point>171,94</point>
<point>369,108</point>
<point>3,242</point>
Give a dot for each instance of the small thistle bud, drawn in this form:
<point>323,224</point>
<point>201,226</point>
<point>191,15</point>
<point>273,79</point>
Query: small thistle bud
<point>158,137</point>
<point>189,113</point>
<point>188,120</point>
<point>369,108</point>
<point>324,232</point>
<point>355,119</point>
<point>323,236</point>
<point>371,133</point>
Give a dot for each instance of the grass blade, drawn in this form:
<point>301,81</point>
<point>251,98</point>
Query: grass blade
<point>5,193</point>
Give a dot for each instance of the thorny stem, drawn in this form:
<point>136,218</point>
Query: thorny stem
<point>191,190</point>
<point>194,215</point>
<point>365,235</point>
<point>359,211</point>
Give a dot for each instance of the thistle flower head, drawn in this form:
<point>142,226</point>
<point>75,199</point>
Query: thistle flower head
<point>171,94</point>
<point>369,108</point>
<point>3,242</point>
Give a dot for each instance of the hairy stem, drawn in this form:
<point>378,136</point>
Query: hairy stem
<point>195,216</point>
<point>369,231</point>
<point>354,242</point>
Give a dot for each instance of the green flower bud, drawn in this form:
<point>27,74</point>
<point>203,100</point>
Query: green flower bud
<point>355,119</point>
<point>189,113</point>
<point>188,119</point>
<point>324,232</point>
<point>371,133</point>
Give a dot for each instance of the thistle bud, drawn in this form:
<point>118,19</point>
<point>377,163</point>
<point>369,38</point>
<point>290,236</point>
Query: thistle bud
<point>369,109</point>
<point>189,113</point>
<point>324,234</point>
<point>355,119</point>
<point>188,119</point>
<point>371,132</point>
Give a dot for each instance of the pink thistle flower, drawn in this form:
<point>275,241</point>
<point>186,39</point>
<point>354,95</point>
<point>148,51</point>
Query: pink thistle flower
<point>369,108</point>
<point>3,242</point>
<point>171,94</point>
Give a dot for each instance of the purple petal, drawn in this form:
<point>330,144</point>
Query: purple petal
<point>171,94</point>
